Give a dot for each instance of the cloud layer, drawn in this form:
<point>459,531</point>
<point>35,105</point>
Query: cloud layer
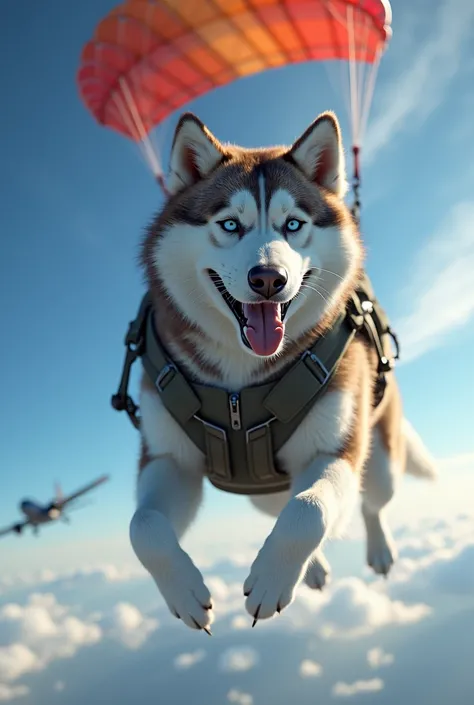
<point>41,631</point>
<point>347,690</point>
<point>437,559</point>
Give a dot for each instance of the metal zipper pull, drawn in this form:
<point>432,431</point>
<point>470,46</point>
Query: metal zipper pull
<point>234,407</point>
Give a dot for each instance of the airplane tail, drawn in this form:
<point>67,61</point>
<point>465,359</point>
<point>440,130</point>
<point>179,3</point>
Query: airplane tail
<point>419,462</point>
<point>58,492</point>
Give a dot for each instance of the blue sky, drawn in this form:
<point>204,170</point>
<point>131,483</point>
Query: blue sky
<point>76,198</point>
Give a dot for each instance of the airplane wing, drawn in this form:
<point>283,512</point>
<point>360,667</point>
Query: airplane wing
<point>66,500</point>
<point>15,528</point>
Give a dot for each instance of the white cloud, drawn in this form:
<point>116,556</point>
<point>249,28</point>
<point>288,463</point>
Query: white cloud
<point>346,690</point>
<point>238,658</point>
<point>448,569</point>
<point>10,692</point>
<point>187,660</point>
<point>310,669</point>
<point>377,657</point>
<point>240,621</point>
<point>127,625</point>
<point>438,560</point>
<point>237,696</point>
<point>227,596</point>
<point>107,573</point>
<point>39,632</point>
<point>350,608</point>
<point>457,576</point>
<point>440,285</point>
<point>423,82</point>
<point>15,660</point>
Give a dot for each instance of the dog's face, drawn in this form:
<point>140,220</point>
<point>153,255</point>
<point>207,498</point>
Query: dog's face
<point>255,245</point>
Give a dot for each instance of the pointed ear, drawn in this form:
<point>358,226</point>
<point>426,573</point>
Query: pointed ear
<point>195,152</point>
<point>320,156</point>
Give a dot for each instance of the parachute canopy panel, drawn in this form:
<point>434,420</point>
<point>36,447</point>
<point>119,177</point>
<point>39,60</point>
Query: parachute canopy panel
<point>150,57</point>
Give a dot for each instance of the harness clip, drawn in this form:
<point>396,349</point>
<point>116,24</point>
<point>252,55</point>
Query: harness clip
<point>165,372</point>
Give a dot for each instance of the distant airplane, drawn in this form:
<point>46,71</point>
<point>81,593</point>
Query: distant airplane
<point>37,514</point>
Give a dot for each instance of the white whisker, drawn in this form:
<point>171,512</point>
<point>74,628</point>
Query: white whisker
<point>317,283</point>
<point>329,271</point>
<point>307,286</point>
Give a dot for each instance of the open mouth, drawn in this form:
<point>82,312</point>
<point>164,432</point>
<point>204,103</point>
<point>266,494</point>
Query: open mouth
<point>261,324</point>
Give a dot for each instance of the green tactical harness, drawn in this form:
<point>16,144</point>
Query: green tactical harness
<point>240,433</point>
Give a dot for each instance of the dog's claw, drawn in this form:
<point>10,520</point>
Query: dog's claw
<point>198,626</point>
<point>255,617</point>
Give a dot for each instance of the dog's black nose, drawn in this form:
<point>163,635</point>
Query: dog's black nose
<point>267,281</point>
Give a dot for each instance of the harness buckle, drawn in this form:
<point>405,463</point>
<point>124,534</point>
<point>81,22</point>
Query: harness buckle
<point>166,374</point>
<point>134,342</point>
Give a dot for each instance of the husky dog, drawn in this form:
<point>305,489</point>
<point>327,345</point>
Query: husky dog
<point>252,258</point>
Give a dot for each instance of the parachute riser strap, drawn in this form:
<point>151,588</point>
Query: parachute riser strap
<point>160,180</point>
<point>361,316</point>
<point>355,210</point>
<point>134,343</point>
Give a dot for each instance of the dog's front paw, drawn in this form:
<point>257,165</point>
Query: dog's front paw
<point>184,591</point>
<point>273,578</point>
<point>179,581</point>
<point>317,572</point>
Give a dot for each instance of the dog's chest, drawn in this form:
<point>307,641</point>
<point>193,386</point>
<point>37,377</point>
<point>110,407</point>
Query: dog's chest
<point>236,459</point>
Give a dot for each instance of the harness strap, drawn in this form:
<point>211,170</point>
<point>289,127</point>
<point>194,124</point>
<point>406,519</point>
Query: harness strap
<point>310,375</point>
<point>240,444</point>
<point>176,392</point>
<point>241,433</point>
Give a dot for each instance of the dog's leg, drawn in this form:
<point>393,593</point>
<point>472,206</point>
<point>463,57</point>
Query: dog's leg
<point>380,479</point>
<point>323,494</point>
<point>318,570</point>
<point>167,502</point>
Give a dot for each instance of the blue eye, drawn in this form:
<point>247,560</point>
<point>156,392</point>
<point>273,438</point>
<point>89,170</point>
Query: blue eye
<point>230,225</point>
<point>293,225</point>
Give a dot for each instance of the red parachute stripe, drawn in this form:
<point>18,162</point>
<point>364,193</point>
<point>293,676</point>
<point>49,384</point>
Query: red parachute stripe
<point>168,52</point>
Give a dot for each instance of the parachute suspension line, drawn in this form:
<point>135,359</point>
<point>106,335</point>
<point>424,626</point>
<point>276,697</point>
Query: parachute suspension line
<point>145,141</point>
<point>369,89</point>
<point>121,107</point>
<point>361,86</point>
<point>353,76</point>
<point>355,115</point>
<point>362,77</point>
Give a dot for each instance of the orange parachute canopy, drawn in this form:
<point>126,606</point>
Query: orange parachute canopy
<point>149,57</point>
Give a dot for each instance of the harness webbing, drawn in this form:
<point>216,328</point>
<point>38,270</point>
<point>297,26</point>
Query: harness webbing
<point>240,433</point>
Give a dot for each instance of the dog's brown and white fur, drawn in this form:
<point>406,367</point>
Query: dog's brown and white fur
<point>343,446</point>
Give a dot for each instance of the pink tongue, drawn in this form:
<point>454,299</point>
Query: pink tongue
<point>264,327</point>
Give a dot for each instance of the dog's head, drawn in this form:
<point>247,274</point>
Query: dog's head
<point>254,246</point>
